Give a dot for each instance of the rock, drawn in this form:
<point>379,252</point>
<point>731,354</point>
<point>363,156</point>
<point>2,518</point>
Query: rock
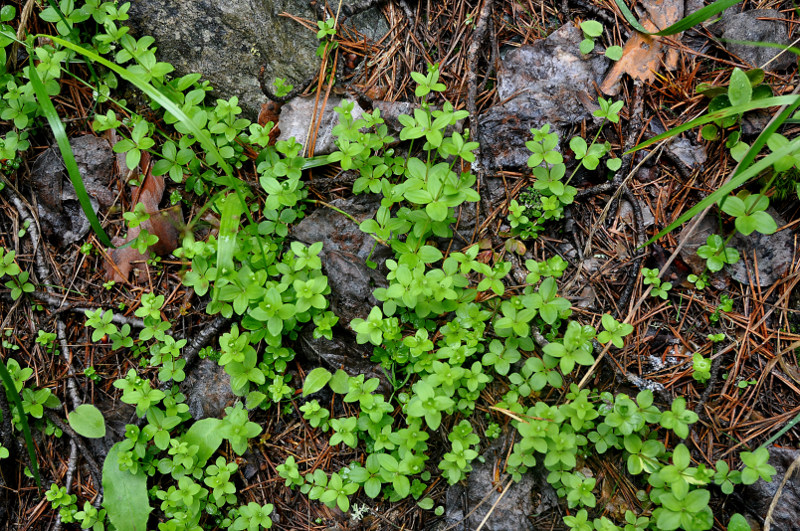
<point>60,213</point>
<point>546,82</point>
<point>626,213</point>
<point>531,496</point>
<point>297,113</point>
<point>371,24</point>
<point>351,7</point>
<point>690,153</point>
<point>228,42</point>
<point>345,251</point>
<point>752,26</point>
<point>773,252</point>
<point>352,284</point>
<point>208,390</point>
<point>339,233</point>
<point>341,352</point>
<point>759,495</point>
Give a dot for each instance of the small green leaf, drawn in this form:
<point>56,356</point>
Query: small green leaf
<point>739,91</point>
<point>87,421</point>
<point>738,523</point>
<point>592,28</point>
<point>614,53</point>
<point>339,383</point>
<point>316,380</point>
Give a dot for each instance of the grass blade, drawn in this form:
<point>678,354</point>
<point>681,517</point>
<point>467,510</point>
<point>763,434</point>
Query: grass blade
<point>60,134</point>
<point>701,15</point>
<point>8,382</point>
<point>764,103</point>
<point>736,181</point>
<point>229,214</point>
<point>156,95</point>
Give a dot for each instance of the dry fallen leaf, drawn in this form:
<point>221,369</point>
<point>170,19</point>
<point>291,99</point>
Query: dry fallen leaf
<point>163,224</point>
<point>642,54</point>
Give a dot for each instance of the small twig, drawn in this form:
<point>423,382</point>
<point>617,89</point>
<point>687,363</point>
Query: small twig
<point>494,505</point>
<point>61,334</point>
<point>202,338</point>
<point>71,465</point>
<point>786,476</point>
<point>94,469</point>
<point>478,37</point>
<point>55,304</point>
<point>638,229</point>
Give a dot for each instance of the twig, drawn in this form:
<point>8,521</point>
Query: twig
<point>202,338</point>
<point>94,469</point>
<point>638,229</point>
<point>61,334</point>
<point>786,476</point>
<point>55,304</point>
<point>478,37</point>
<point>71,465</point>
<point>494,505</point>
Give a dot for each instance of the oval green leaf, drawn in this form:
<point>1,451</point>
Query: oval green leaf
<point>316,380</point>
<point>739,91</point>
<point>87,421</point>
<point>125,494</point>
<point>339,383</point>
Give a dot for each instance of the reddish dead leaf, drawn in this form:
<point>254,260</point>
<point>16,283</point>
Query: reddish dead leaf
<point>642,54</point>
<point>270,112</point>
<point>163,224</point>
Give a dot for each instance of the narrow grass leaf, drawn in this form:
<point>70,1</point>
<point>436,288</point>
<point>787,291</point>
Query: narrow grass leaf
<point>699,16</point>
<point>8,382</point>
<point>66,153</point>
<point>735,182</point>
<point>229,215</point>
<point>152,92</point>
<point>718,115</point>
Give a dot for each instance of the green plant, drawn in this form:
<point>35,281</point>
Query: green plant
<point>701,368</point>
<point>614,331</point>
<point>658,288</point>
<point>449,322</point>
<point>592,30</point>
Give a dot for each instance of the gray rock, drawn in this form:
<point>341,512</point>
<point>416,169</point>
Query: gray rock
<point>352,284</point>
<point>296,115</point>
<point>371,24</point>
<point>60,213</point>
<point>774,253</point>
<point>546,82</point>
<point>208,390</point>
<point>341,352</point>
<point>759,495</point>
<point>228,42</point>
<point>748,26</point>
<point>340,233</point>
<point>345,250</point>
<point>531,496</point>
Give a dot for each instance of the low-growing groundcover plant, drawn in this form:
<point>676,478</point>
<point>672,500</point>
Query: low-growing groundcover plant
<point>449,325</point>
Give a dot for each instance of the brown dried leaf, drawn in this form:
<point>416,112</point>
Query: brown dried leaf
<point>163,224</point>
<point>642,54</point>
